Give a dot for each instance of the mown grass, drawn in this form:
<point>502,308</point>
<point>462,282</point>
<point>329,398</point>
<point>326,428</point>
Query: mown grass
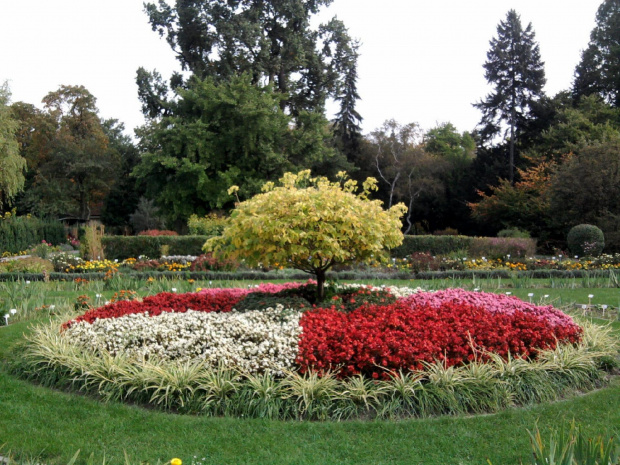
<point>50,425</point>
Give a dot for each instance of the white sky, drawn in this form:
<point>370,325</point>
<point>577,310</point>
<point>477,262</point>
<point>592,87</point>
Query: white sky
<point>421,61</point>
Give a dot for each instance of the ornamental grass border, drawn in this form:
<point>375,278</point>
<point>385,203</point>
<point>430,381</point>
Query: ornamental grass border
<point>45,357</point>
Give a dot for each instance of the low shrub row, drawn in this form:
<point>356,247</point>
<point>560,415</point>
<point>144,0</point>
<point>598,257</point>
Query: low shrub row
<point>18,233</point>
<point>122,247</point>
<point>298,275</point>
<point>489,247</point>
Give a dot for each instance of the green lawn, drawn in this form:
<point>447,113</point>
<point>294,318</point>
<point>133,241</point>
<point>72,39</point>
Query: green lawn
<point>52,426</point>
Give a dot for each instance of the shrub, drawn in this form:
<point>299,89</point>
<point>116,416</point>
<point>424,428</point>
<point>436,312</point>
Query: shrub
<point>422,261</point>
<point>514,232</point>
<point>209,225</point>
<point>500,247</point>
<point>208,262</point>
<point>146,216</point>
<point>586,240</point>
<point>27,265</point>
<point>158,232</point>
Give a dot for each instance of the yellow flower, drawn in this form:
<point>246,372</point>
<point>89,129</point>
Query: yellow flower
<point>176,462</point>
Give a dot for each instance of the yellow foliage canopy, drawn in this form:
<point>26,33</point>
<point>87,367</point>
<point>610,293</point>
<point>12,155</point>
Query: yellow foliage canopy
<point>311,224</point>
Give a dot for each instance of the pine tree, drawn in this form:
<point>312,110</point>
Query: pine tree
<point>516,72</point>
<point>598,72</point>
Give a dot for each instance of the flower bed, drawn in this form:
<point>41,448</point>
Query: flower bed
<point>349,337</point>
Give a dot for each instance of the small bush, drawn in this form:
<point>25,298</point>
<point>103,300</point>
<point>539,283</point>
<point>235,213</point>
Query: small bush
<point>421,261</point>
<point>158,232</point>
<point>207,262</point>
<point>27,265</point>
<point>586,240</point>
<point>514,232</point>
<point>209,225</point>
<point>500,247</point>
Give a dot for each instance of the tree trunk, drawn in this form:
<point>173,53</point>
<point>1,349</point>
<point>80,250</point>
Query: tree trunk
<point>320,285</point>
<point>511,175</point>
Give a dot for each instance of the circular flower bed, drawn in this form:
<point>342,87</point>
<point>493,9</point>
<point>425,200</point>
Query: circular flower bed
<point>374,332</point>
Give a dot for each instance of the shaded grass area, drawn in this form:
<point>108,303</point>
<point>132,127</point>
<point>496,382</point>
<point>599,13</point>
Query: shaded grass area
<point>52,425</point>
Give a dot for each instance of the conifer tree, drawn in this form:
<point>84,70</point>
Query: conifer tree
<point>516,72</point>
<point>598,72</point>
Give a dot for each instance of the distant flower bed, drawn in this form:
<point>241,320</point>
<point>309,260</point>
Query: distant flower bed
<point>369,331</point>
<point>421,261</point>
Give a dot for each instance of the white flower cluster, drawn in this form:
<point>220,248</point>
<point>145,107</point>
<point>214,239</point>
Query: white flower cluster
<point>398,292</point>
<point>253,341</point>
<point>182,259</point>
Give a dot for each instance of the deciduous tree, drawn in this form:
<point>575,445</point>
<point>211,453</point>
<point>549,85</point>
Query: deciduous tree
<point>310,224</point>
<point>224,134</point>
<point>12,164</point>
<point>405,169</point>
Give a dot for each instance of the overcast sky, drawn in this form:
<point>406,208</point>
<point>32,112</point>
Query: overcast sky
<point>421,61</point>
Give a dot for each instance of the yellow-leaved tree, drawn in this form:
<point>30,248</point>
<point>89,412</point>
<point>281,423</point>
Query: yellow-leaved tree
<point>310,224</point>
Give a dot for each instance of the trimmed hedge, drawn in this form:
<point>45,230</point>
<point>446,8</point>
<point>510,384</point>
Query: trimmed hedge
<point>490,247</point>
<point>435,245</point>
<point>122,247</point>
<point>20,232</point>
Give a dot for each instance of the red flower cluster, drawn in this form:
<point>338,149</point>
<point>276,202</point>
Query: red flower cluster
<point>165,302</point>
<point>207,300</point>
<point>374,340</point>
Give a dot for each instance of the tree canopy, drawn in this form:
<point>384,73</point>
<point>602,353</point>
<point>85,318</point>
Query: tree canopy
<point>598,72</point>
<point>310,224</point>
<point>271,40</point>
<point>223,134</point>
<point>12,164</point>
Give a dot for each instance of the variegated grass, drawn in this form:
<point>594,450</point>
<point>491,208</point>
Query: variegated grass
<point>486,385</point>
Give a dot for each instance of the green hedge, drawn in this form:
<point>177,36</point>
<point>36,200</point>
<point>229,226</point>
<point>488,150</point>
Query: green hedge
<point>490,247</point>
<point>122,247</point>
<point>20,233</point>
<point>435,245</point>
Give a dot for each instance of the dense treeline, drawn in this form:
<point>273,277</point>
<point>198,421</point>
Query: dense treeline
<point>250,105</point>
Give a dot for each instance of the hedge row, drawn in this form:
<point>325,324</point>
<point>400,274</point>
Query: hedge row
<point>122,247</point>
<point>490,247</point>
<point>20,233</point>
<point>341,275</point>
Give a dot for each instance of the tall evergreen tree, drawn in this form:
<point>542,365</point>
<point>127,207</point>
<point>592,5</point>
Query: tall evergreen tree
<point>598,72</point>
<point>516,72</point>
